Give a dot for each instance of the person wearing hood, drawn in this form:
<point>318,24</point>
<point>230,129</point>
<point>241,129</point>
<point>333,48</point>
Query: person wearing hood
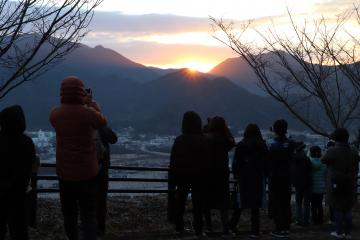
<point>76,157</point>
<point>342,169</point>
<point>17,153</point>
<point>189,158</point>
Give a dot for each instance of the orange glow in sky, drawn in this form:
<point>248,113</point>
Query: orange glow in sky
<point>192,65</point>
<point>170,34</point>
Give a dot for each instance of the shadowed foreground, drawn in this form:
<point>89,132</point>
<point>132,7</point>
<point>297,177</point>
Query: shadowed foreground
<point>145,218</point>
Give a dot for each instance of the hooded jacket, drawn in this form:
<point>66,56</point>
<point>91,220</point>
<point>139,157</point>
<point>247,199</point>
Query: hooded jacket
<point>17,152</point>
<point>75,126</point>
<point>342,168</point>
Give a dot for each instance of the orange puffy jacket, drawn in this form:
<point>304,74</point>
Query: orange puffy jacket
<point>75,126</point>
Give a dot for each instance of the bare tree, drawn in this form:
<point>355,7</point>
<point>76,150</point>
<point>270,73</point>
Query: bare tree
<point>312,70</point>
<point>36,34</point>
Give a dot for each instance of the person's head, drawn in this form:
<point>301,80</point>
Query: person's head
<point>12,120</point>
<point>280,127</point>
<point>340,135</point>
<point>252,131</point>
<point>218,126</point>
<point>330,144</point>
<point>89,96</point>
<point>315,152</point>
<point>191,123</point>
<point>72,91</point>
<point>300,146</point>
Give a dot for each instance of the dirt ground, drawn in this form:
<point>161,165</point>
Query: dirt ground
<point>145,218</point>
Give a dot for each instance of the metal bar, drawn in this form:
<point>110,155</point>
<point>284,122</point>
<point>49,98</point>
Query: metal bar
<point>117,179</point>
<point>125,168</point>
<point>56,190</point>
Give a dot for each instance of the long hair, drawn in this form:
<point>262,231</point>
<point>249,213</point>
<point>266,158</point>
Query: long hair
<point>191,123</point>
<point>218,126</point>
<point>253,131</point>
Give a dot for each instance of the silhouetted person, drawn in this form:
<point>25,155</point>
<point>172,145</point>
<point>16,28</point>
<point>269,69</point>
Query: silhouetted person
<point>281,153</point>
<point>105,136</point>
<point>207,126</point>
<point>330,144</point>
<point>31,201</point>
<point>301,179</point>
<point>76,158</point>
<point>249,168</point>
<point>188,163</point>
<point>342,162</point>
<point>221,143</point>
<point>17,154</point>
<point>318,185</point>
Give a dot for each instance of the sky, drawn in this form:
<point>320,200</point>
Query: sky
<point>178,33</point>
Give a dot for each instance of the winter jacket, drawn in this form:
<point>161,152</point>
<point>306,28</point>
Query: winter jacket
<point>342,169</point>
<point>190,153</point>
<point>281,152</point>
<point>249,167</point>
<point>17,152</point>
<point>107,136</point>
<point>301,171</point>
<point>218,175</point>
<point>318,176</point>
<point>189,157</point>
<point>75,126</point>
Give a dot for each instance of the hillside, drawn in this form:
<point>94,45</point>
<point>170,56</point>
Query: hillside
<point>131,94</point>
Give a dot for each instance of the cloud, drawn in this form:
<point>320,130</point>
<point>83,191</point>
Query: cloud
<point>152,53</point>
<point>147,24</point>
<point>333,7</point>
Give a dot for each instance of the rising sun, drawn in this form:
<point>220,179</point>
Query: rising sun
<point>198,66</point>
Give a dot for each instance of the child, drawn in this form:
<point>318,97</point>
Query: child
<point>318,184</point>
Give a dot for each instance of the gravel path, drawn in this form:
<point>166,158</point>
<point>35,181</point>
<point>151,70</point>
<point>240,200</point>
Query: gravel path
<point>145,218</point>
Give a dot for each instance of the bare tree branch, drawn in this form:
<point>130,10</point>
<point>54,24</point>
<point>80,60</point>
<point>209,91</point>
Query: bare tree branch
<point>310,70</point>
<point>36,34</point>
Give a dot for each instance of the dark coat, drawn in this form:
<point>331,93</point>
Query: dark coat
<point>301,171</point>
<point>343,165</point>
<point>17,152</point>
<point>249,167</point>
<point>189,158</point>
<point>281,152</point>
<point>218,177</point>
<point>107,137</point>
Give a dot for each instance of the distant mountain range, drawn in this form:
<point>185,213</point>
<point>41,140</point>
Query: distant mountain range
<point>147,98</point>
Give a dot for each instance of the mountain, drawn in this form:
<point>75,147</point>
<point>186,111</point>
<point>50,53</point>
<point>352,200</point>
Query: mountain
<point>131,94</point>
<point>159,105</point>
<point>238,71</point>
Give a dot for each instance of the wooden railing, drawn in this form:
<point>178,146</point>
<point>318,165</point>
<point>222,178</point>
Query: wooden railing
<point>113,179</point>
<point>122,179</point>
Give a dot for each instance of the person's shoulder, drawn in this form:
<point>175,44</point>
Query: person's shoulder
<point>28,139</point>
